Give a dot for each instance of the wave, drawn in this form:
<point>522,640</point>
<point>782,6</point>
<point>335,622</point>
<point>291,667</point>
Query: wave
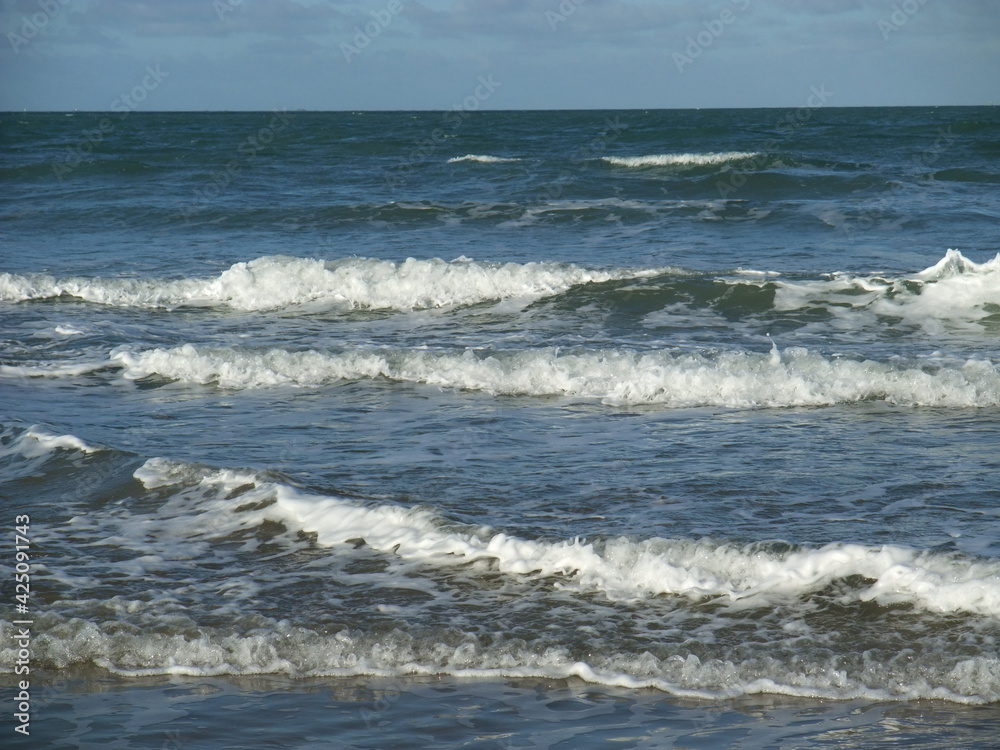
<point>52,370</point>
<point>35,442</point>
<point>277,282</point>
<point>786,595</point>
<point>753,575</point>
<point>675,160</point>
<point>955,290</point>
<point>966,175</point>
<point>280,647</point>
<point>496,213</point>
<point>483,159</point>
<point>617,377</point>
<point>954,293</point>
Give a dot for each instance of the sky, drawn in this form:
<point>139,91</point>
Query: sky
<point>108,55</point>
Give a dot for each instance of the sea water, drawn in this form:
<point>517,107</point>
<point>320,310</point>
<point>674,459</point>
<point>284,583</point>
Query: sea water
<point>503,429</point>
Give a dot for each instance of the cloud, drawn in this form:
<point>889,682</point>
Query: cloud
<point>550,53</point>
<point>539,18</point>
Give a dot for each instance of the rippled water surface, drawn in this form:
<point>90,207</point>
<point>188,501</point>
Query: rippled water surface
<point>574,428</point>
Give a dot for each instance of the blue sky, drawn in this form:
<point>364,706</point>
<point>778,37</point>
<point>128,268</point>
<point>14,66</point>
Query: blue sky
<point>535,54</point>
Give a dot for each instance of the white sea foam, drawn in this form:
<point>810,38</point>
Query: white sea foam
<point>682,160</point>
<point>51,369</point>
<point>624,569</point>
<point>197,505</point>
<point>483,159</point>
<point>795,377</point>
<point>620,568</point>
<point>34,442</point>
<point>277,282</point>
<point>955,292</point>
<point>280,647</point>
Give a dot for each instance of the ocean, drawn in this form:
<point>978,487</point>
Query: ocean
<point>500,429</point>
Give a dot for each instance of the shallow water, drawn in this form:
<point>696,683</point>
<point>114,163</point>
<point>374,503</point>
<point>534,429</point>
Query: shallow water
<point>172,713</point>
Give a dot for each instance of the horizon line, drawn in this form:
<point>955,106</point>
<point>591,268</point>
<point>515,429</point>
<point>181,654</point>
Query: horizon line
<point>527,109</point>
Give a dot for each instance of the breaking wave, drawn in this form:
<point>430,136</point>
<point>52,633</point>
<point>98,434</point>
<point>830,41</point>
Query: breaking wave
<point>795,377</point>
<point>953,293</point>
<point>722,585</point>
<point>679,160</point>
<point>483,159</point>
<point>955,290</point>
<point>276,282</point>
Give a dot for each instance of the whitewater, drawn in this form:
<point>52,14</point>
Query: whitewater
<point>645,428</point>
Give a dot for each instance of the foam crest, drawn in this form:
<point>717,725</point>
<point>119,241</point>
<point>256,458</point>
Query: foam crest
<point>748,575</point>
<point>276,282</point>
<point>624,569</point>
<point>955,291</point>
<point>52,370</point>
<point>795,377</point>
<point>679,160</point>
<point>482,158</point>
<point>35,442</point>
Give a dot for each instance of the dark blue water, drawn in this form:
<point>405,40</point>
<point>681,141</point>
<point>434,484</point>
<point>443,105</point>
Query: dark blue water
<point>504,429</point>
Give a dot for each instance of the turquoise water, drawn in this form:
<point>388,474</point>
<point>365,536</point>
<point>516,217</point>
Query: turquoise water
<point>505,429</point>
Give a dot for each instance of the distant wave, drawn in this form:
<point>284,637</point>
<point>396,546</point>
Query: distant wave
<point>674,160</point>
<point>276,282</point>
<point>795,377</point>
<point>484,159</point>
